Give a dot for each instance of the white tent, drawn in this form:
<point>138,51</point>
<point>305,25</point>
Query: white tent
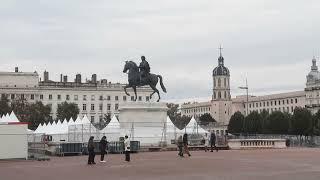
<point>71,121</point>
<point>78,120</point>
<point>4,118</point>
<point>85,120</point>
<point>39,128</point>
<point>194,128</point>
<point>9,118</point>
<point>81,130</point>
<point>171,128</point>
<point>112,130</point>
<point>64,126</point>
<point>13,118</point>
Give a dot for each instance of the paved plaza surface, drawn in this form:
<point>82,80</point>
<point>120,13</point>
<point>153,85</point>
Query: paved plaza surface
<point>299,164</point>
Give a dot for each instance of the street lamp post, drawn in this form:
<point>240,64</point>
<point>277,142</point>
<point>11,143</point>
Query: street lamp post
<point>247,90</point>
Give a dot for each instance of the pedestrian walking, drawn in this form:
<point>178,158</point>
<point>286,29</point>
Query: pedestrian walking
<point>213,142</point>
<point>91,147</point>
<point>127,148</point>
<point>185,144</point>
<point>206,142</point>
<point>103,144</point>
<point>180,146</point>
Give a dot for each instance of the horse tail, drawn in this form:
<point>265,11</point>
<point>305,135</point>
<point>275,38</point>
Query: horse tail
<point>161,84</point>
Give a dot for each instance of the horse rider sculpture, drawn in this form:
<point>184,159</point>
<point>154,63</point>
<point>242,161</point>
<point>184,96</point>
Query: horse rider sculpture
<point>144,70</point>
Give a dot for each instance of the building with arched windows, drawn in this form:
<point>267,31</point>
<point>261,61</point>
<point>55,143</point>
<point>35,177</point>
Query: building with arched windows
<point>222,106</point>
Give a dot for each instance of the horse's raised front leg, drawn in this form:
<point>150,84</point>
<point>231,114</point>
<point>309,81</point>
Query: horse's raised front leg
<point>125,89</point>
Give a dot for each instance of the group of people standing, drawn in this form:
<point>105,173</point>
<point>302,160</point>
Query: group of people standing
<point>183,145</point>
<point>103,145</point>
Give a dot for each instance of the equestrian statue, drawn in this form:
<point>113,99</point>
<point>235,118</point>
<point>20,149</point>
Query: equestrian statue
<point>140,76</point>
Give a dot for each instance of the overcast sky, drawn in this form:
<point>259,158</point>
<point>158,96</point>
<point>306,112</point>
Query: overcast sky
<point>270,42</point>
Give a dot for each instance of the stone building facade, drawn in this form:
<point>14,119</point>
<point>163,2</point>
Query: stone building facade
<point>94,98</point>
<point>221,107</point>
<point>313,88</point>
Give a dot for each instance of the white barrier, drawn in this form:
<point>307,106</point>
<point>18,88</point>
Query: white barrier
<point>257,143</point>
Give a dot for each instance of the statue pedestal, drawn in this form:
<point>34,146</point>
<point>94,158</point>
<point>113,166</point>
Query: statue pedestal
<point>143,121</point>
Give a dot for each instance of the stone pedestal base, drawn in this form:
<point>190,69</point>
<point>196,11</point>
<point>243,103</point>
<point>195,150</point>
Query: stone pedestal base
<point>143,121</point>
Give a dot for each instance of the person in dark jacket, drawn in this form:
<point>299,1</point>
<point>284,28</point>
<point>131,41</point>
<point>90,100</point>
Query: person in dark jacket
<point>127,148</point>
<point>103,146</point>
<point>91,147</point>
<point>180,146</point>
<point>213,141</point>
<point>185,144</point>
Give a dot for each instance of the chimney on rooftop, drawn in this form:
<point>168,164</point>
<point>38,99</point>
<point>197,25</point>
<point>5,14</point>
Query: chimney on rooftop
<point>94,78</point>
<point>46,76</point>
<point>61,77</point>
<point>78,78</point>
<point>65,79</point>
<point>16,69</point>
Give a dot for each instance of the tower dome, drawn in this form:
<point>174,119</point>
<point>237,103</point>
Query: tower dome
<point>221,70</point>
<point>314,74</point>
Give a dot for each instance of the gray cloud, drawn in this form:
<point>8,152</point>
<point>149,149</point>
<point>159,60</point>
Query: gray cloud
<point>270,42</point>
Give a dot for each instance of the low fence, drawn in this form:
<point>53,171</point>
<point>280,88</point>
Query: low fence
<point>257,143</point>
<point>291,140</point>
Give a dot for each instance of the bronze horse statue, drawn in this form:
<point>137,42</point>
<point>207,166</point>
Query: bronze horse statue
<point>135,80</point>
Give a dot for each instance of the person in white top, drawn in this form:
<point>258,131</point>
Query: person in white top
<point>127,148</point>
<point>206,142</point>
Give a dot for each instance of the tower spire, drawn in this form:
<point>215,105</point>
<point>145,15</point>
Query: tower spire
<point>220,48</point>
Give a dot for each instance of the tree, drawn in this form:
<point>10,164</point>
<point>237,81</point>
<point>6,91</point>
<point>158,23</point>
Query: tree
<point>181,121</point>
<point>67,110</point>
<point>4,105</point>
<point>301,121</point>
<point>315,129</point>
<point>264,122</point>
<point>235,125</point>
<point>38,113</point>
<point>103,122</point>
<point>173,110</point>
<point>20,107</point>
<point>177,119</point>
<point>252,123</point>
<point>34,113</point>
<point>206,118</point>
<point>278,123</point>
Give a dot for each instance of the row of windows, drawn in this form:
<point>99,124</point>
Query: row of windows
<point>75,97</point>
<point>283,109</point>
<point>92,107</point>
<point>271,103</point>
<point>310,95</point>
<point>199,109</point>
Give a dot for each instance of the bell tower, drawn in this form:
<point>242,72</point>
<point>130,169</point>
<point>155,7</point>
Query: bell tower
<point>221,97</point>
